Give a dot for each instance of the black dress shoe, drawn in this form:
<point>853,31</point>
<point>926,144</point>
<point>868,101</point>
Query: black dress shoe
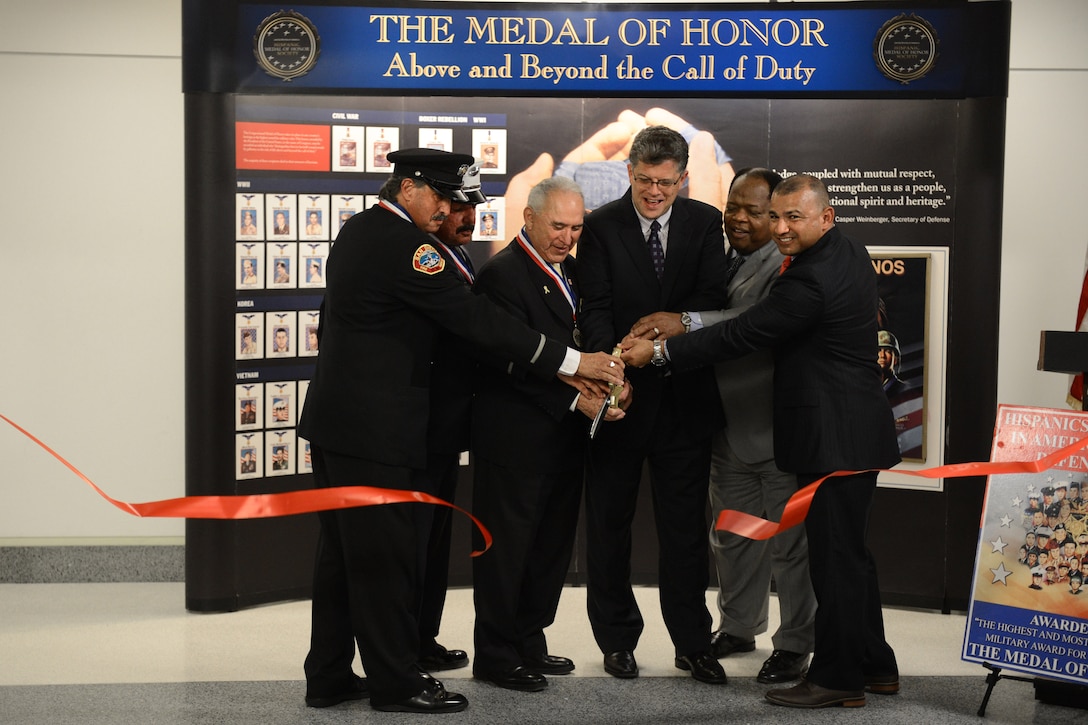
<point>882,684</point>
<point>519,678</point>
<point>723,644</point>
<point>432,698</point>
<point>355,689</point>
<point>807,695</point>
<point>782,666</point>
<point>441,658</point>
<point>704,667</point>
<point>550,665</point>
<point>621,664</point>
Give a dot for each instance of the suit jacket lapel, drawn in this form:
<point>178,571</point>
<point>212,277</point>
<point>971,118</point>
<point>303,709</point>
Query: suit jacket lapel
<point>752,266</point>
<point>634,242</point>
<point>678,248</point>
<point>551,296</point>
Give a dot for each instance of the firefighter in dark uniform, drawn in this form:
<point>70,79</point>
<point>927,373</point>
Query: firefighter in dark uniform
<point>388,294</point>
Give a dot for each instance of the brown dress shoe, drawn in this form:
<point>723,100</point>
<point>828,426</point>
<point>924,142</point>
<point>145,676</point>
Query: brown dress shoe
<point>808,695</point>
<point>882,684</point>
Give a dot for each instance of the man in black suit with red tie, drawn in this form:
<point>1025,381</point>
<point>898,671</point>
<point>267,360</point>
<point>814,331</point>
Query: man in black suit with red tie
<point>652,250</point>
<point>830,414</point>
<point>528,439</point>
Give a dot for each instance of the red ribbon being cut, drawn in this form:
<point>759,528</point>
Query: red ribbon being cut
<point>263,505</point>
<point>753,527</point>
<point>268,505</point>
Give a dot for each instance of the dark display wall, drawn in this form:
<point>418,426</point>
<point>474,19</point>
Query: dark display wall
<point>274,165</point>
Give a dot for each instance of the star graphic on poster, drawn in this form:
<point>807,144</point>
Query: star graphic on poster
<point>1001,574</point>
<point>999,546</point>
<point>1017,501</point>
<point>1005,521</point>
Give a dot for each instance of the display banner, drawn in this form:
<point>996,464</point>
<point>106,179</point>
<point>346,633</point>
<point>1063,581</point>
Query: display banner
<point>1029,611</point>
<point>292,112</point>
<point>935,50</point>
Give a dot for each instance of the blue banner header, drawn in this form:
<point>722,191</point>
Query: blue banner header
<point>629,50</point>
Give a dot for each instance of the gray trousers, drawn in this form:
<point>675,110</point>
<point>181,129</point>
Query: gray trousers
<point>745,566</point>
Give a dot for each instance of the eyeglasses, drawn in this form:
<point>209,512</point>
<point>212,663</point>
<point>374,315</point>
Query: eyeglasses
<point>660,183</point>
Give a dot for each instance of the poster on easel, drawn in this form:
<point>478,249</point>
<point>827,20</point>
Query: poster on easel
<point>1029,609</point>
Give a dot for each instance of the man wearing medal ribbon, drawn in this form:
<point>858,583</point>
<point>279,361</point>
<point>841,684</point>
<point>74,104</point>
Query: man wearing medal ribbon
<point>447,434</point>
<point>388,294</point>
<point>529,438</point>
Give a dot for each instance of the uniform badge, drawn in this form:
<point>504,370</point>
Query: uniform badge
<point>427,260</point>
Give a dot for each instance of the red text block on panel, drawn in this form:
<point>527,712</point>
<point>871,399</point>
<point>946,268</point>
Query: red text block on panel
<point>281,146</point>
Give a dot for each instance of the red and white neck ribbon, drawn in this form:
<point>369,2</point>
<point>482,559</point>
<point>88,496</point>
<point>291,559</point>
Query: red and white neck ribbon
<point>458,262</point>
<point>549,270</point>
<point>396,209</point>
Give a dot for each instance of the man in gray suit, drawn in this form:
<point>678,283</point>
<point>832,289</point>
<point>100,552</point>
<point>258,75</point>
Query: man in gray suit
<point>743,474</point>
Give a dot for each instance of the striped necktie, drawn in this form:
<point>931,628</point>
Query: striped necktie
<point>735,261</point>
<point>657,252</point>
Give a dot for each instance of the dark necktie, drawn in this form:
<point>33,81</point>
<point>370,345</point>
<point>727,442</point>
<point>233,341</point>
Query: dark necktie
<point>735,262</point>
<point>657,252</point>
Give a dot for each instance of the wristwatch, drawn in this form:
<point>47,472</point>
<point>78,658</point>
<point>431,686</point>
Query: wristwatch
<point>685,320</point>
<point>659,354</point>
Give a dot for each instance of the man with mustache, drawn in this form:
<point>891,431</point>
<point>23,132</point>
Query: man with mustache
<point>388,295</point>
<point>447,434</point>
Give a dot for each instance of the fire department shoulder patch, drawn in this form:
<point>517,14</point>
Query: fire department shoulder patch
<point>427,260</point>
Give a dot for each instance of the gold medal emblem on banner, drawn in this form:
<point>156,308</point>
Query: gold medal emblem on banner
<point>286,45</point>
<point>905,48</point>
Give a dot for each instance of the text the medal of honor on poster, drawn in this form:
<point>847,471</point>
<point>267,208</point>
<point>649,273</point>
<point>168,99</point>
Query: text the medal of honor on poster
<point>1028,610</point>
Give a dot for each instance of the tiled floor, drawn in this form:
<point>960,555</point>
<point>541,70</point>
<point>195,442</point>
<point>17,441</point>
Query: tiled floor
<point>118,653</point>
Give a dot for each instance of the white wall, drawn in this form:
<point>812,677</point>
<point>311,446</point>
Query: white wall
<point>1046,154</point>
<point>91,197</point>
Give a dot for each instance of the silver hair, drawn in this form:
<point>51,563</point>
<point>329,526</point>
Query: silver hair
<point>538,195</point>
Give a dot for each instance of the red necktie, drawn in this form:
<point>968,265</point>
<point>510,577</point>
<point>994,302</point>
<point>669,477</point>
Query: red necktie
<point>785,264</point>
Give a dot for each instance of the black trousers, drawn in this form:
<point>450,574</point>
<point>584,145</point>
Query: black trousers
<point>517,584</point>
<point>679,478</point>
<point>849,625</point>
<point>366,585</point>
<point>440,479</point>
